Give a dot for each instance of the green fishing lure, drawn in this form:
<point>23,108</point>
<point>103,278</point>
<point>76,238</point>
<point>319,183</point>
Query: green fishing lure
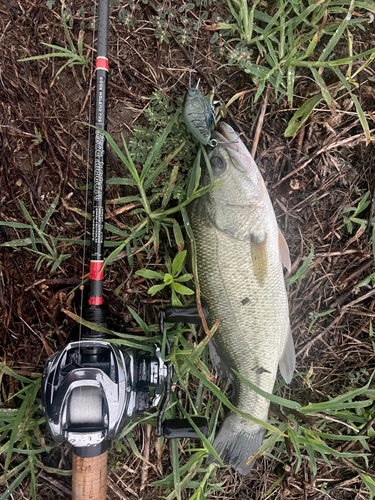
<point>198,115</point>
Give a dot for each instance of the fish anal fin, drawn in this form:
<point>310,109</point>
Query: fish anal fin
<point>259,256</point>
<point>287,361</point>
<point>284,251</point>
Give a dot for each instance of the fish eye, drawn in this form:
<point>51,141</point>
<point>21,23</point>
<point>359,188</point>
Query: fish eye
<point>218,164</point>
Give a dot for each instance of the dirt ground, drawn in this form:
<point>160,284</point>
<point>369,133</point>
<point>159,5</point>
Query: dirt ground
<point>311,179</point>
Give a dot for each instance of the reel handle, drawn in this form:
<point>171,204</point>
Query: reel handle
<point>187,314</point>
<point>89,480</point>
<point>182,429</point>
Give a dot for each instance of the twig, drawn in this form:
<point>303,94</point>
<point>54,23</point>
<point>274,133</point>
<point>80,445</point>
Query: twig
<point>146,454</point>
<point>317,337</point>
<point>359,271</point>
<point>12,10</point>
<point>347,446</point>
<point>338,254</point>
<point>360,299</point>
<point>40,337</point>
<point>260,123</point>
<point>116,489</point>
<point>301,136</point>
<point>334,144</point>
<point>57,486</point>
<point>55,282</point>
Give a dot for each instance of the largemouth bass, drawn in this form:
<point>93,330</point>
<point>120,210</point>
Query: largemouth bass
<point>240,254</point>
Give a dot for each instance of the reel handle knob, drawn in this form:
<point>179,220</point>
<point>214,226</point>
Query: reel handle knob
<point>181,428</point>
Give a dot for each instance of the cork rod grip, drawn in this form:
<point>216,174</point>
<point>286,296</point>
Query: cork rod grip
<point>90,477</point>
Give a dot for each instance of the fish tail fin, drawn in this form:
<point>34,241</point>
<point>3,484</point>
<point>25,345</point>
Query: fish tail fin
<point>236,442</point>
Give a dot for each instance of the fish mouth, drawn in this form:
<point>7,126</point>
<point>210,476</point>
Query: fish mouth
<point>226,131</point>
<point>219,139</point>
<point>225,137</point>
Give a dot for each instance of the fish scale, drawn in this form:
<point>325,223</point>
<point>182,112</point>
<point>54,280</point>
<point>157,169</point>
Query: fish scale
<point>239,256</point>
<point>243,328</point>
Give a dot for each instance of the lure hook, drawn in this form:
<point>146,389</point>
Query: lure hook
<point>214,142</point>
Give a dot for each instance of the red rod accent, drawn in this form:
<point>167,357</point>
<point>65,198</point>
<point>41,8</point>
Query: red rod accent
<point>95,301</point>
<point>96,270</point>
<point>102,63</point>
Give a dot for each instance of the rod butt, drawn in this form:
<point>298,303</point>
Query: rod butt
<point>89,477</point>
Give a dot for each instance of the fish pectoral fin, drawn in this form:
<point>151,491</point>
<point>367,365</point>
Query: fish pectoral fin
<point>284,251</point>
<point>287,361</point>
<point>258,244</point>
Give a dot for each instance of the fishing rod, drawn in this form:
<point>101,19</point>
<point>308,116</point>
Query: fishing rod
<point>91,389</point>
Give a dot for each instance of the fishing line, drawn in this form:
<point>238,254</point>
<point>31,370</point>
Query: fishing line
<point>196,44</point>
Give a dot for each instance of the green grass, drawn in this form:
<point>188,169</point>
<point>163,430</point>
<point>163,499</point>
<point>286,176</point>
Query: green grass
<point>154,213</point>
<point>277,45</point>
<point>350,214</point>
<point>39,241</point>
<point>74,56</point>
<point>21,434</point>
<point>295,39</point>
<point>351,220</point>
<point>312,431</point>
<point>302,270</point>
<point>282,44</point>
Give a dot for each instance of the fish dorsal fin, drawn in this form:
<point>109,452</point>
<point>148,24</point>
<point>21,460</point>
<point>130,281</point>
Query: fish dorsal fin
<point>284,251</point>
<point>258,244</point>
<point>287,361</point>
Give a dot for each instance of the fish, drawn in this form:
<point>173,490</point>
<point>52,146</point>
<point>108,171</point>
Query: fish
<point>240,256</point>
<point>198,115</point>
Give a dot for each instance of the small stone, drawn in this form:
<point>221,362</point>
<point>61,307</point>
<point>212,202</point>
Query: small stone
<point>294,184</point>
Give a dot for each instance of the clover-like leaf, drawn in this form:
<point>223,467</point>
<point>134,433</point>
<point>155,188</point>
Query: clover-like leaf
<point>151,275</point>
<point>184,278</point>
<point>175,300</point>
<point>156,288</point>
<point>181,289</point>
<point>168,279</point>
<point>178,263</point>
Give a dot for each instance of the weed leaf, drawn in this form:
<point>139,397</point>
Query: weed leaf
<point>181,289</point>
<point>301,116</point>
<point>271,397</point>
<point>139,320</point>
<point>150,275</point>
<point>178,263</point>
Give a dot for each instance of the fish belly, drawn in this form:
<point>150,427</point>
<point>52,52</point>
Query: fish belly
<point>254,317</point>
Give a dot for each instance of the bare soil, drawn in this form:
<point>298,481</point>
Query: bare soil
<point>328,168</point>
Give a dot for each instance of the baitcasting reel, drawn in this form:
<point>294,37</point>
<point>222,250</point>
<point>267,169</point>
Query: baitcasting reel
<point>91,388</point>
